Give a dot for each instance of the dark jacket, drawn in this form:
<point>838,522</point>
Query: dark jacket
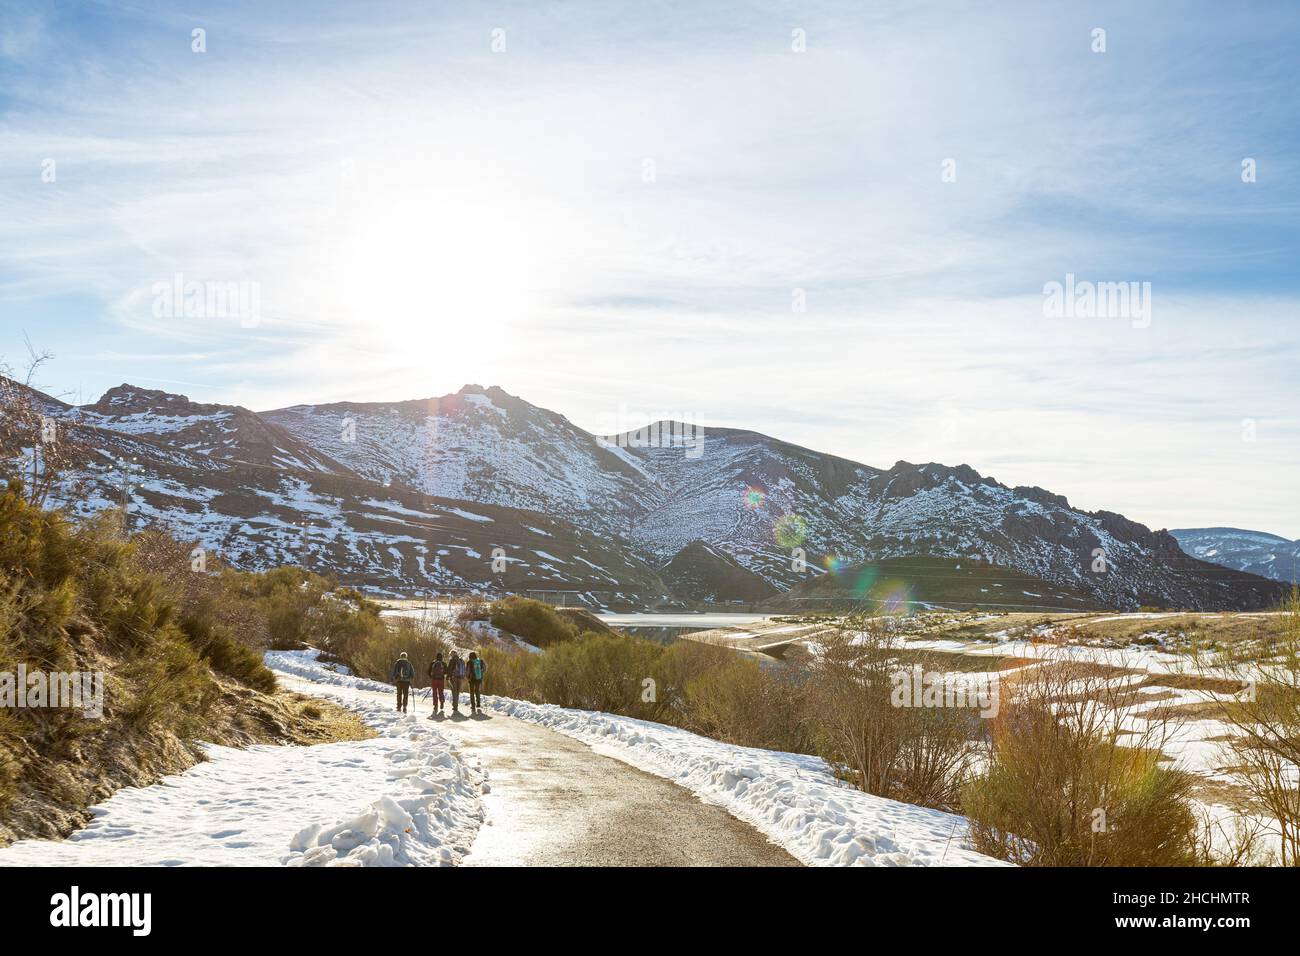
<point>482,667</point>
<point>438,670</point>
<point>403,671</point>
<point>456,668</point>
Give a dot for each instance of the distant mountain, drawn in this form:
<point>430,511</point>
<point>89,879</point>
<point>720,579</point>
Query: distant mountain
<point>479,445</point>
<point>754,498</point>
<point>1257,552</point>
<point>421,495</point>
<point>701,574</point>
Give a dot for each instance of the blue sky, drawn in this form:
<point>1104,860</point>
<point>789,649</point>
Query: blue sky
<point>611,217</point>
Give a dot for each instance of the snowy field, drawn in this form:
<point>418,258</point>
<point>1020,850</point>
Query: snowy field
<point>703,621</point>
<point>403,798</point>
<point>409,798</point>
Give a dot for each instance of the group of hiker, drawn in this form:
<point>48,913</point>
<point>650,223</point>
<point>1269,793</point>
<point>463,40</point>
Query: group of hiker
<point>455,671</point>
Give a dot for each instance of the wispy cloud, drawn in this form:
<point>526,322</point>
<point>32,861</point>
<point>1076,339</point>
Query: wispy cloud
<point>630,207</point>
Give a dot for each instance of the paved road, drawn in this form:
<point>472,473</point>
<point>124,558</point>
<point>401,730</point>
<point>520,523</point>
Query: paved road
<point>554,802</point>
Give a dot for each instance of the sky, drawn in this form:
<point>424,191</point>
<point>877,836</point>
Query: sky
<point>833,223</point>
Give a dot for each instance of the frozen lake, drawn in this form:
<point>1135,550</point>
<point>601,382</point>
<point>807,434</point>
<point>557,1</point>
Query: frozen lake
<point>696,622</point>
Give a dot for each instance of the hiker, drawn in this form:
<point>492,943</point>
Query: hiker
<point>476,670</point>
<point>455,674</point>
<point>402,674</point>
<point>437,676</point>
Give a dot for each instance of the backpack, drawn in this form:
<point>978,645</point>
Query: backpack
<point>478,668</point>
<point>458,670</point>
<point>437,670</point>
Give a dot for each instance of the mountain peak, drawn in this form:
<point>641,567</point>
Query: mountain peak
<point>126,398</point>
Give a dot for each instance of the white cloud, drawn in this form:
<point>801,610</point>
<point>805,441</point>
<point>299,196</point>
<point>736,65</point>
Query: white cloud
<point>420,212</point>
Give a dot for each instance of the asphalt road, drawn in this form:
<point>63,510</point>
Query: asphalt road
<point>554,802</point>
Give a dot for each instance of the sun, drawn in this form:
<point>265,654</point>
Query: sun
<point>440,270</point>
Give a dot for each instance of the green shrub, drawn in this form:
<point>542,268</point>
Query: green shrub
<point>87,597</point>
<point>534,621</point>
<point>740,702</point>
<point>170,687</point>
<point>1061,790</point>
<point>343,629</point>
<point>421,640</point>
<point>679,664</point>
<point>226,654</point>
<point>512,673</point>
<point>709,690</point>
<point>601,672</point>
<point>1046,801</point>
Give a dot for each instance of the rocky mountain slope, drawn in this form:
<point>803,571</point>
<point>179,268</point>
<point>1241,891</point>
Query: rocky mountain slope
<point>219,431</point>
<point>480,489</point>
<point>779,510</point>
<point>1257,552</point>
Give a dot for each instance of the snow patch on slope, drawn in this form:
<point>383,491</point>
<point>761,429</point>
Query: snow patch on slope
<point>401,799</point>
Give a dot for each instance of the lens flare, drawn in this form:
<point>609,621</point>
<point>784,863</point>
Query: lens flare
<point>895,597</point>
<point>866,581</point>
<point>790,531</point>
<point>835,564</point>
<point>754,497</point>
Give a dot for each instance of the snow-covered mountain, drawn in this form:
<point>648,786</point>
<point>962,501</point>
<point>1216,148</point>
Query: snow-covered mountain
<point>1268,555</point>
<point>779,510</point>
<point>478,445</point>
<point>480,489</point>
<point>219,431</point>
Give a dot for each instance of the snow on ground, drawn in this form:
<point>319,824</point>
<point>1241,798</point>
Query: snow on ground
<point>1138,658</point>
<point>791,798</point>
<point>403,798</point>
<point>406,798</point>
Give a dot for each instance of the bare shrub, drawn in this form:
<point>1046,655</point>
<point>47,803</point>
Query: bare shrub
<point>1264,720</point>
<point>37,445</point>
<point>917,754</point>
<point>472,609</point>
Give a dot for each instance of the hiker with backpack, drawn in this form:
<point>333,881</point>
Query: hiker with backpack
<point>402,674</point>
<point>455,674</point>
<point>437,677</point>
<point>476,670</point>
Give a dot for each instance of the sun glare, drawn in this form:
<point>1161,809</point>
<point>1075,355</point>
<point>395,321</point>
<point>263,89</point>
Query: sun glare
<point>443,270</point>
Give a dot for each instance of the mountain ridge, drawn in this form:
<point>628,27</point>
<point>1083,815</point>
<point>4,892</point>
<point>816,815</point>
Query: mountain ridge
<point>1256,552</point>
<point>384,478</point>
